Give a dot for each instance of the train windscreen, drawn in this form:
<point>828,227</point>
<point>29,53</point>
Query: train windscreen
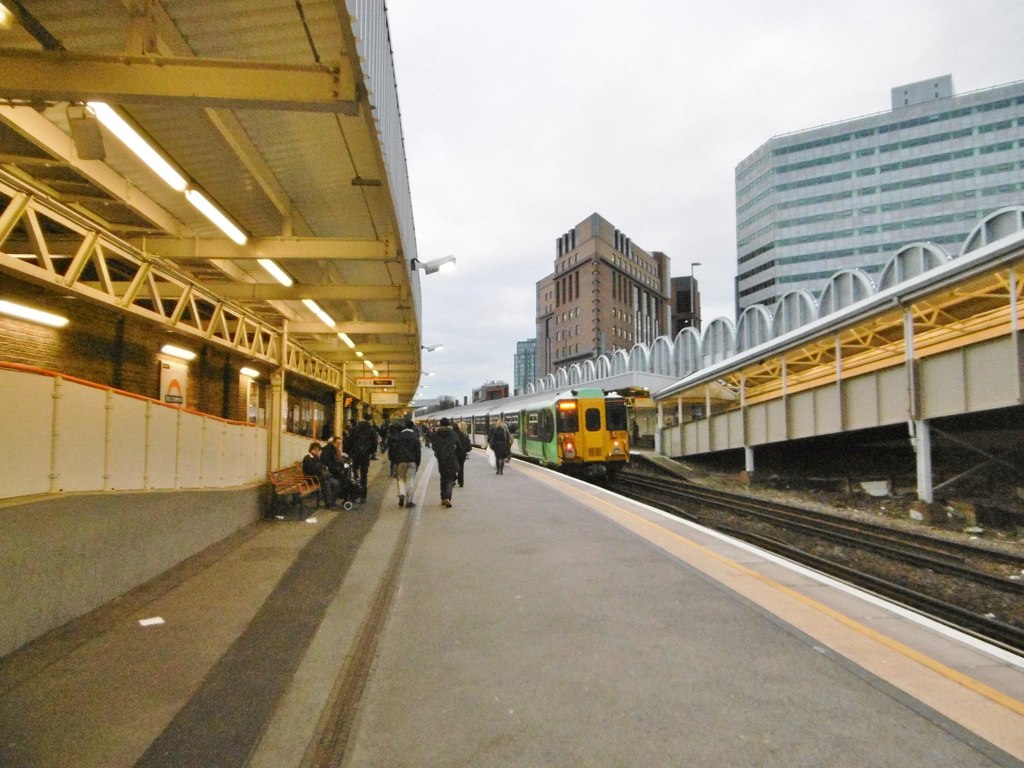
<point>615,414</point>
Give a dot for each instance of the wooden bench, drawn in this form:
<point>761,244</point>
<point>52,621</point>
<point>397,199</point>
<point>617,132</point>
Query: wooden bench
<point>291,482</point>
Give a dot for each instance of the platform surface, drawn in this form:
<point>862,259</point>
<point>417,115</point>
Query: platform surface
<point>538,622</point>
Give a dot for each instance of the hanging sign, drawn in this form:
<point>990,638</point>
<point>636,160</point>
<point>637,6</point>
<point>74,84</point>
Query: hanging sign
<point>375,381</point>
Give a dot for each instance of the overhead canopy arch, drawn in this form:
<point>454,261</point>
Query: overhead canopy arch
<point>718,342</point>
<point>793,310</point>
<point>640,358</point>
<point>910,261</point>
<point>997,225</point>
<point>663,357</point>
<point>754,327</point>
<point>845,287</point>
<point>687,346</point>
<point>620,362</point>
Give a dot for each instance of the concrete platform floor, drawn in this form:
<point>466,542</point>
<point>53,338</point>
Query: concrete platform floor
<point>538,622</point>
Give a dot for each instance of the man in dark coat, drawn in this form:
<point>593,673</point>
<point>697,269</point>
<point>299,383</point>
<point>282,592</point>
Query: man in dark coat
<point>445,443</point>
<point>500,441</point>
<point>362,445</point>
<point>313,467</point>
<point>405,453</point>
<point>465,445</point>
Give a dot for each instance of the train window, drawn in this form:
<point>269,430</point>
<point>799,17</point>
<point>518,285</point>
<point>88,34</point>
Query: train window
<point>592,418</point>
<point>546,427</point>
<point>615,414</point>
<point>568,416</point>
<point>531,425</point>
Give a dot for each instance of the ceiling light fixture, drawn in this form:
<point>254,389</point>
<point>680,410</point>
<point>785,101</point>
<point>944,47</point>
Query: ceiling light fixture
<point>32,315</point>
<point>278,274</point>
<point>210,211</point>
<point>316,310</point>
<point>344,337</point>
<point>368,364</point>
<point>252,373</point>
<point>173,351</point>
<point>131,139</point>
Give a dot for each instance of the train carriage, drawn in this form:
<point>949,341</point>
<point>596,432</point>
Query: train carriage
<point>581,431</point>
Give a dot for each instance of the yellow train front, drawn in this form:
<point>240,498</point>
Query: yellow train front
<point>582,431</point>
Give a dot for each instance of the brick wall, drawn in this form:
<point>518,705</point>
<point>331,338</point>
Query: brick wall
<point>116,349</point>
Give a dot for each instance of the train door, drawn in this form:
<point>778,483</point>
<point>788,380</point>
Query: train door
<point>591,438</point>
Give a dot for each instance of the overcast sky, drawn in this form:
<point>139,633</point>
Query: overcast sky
<point>521,119</point>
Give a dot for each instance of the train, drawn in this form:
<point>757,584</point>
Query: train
<point>582,431</point>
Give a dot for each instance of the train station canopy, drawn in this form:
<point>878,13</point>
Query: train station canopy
<point>265,205</point>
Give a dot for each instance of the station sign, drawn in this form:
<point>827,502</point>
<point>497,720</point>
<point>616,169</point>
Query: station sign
<point>383,398</point>
<point>375,381</point>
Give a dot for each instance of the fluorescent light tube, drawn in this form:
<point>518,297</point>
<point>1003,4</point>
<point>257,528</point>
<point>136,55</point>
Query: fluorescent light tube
<point>279,274</point>
<point>252,373</point>
<point>131,139</point>
<point>32,315</point>
<point>210,211</point>
<point>173,351</point>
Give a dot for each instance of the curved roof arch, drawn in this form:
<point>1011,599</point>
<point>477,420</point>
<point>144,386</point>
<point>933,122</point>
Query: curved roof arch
<point>687,344</point>
<point>620,361</point>
<point>753,327</point>
<point>910,261</point>
<point>997,225</point>
<point>663,359</point>
<point>718,342</point>
<point>844,288</point>
<point>640,357</point>
<point>793,310</point>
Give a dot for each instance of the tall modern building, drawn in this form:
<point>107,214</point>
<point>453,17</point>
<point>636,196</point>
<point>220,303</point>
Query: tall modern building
<point>685,304</point>
<point>851,194</point>
<point>525,365</point>
<point>606,293</point>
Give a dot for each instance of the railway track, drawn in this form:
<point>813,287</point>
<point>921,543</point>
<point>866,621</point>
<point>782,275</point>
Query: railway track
<point>961,585</point>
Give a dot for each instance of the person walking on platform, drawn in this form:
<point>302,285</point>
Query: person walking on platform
<point>445,443</point>
<point>500,441</point>
<point>363,446</point>
<point>462,449</point>
<point>405,453</point>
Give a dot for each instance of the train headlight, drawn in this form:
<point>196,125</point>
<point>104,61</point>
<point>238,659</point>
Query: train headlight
<point>616,448</point>
<point>568,450</point>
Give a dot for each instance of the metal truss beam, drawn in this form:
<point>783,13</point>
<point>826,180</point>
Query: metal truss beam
<point>353,327</point>
<point>65,76</point>
<point>103,269</point>
<point>276,292</point>
<point>276,248</point>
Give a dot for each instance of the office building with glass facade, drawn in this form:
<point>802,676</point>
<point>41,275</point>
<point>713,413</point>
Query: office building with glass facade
<point>851,194</point>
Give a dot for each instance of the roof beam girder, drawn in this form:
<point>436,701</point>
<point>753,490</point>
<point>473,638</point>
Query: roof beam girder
<point>275,248</point>
<point>65,76</point>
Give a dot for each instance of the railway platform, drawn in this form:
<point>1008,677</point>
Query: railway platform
<point>540,621</point>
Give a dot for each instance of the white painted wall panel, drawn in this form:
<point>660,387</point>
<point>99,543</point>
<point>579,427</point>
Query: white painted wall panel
<point>860,401</point>
<point>993,375</point>
<point>231,456</point>
<point>801,414</point>
<point>127,449</point>
<point>213,448</point>
<point>942,385</point>
<point>776,420</point>
<point>828,415</point>
<point>190,450</point>
<point>26,420</point>
<point>81,426</point>
<point>162,446</point>
<point>893,400</point>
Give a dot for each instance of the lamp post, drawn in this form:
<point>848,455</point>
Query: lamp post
<point>693,296</point>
